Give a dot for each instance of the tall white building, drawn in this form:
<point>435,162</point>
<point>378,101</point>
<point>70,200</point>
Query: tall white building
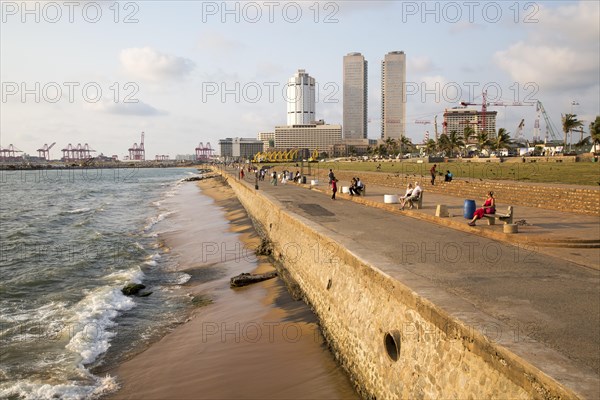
<point>393,95</point>
<point>355,96</point>
<point>300,99</point>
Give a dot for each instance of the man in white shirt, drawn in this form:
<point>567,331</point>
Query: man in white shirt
<point>414,196</point>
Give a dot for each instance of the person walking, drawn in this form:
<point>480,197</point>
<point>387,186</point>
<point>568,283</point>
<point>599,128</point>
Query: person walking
<point>433,172</point>
<point>333,188</point>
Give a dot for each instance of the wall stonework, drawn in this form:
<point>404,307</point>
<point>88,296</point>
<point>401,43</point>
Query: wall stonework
<point>357,304</point>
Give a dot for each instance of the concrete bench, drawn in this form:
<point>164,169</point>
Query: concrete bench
<point>506,218</point>
<point>418,203</point>
<point>363,191</point>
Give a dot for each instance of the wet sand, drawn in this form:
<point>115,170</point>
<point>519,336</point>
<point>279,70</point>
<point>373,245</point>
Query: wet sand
<point>254,342</point>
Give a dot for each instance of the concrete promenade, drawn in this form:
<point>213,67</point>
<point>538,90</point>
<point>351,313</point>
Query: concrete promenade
<point>535,292</point>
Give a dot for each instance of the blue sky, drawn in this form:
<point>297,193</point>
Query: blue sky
<point>201,71</point>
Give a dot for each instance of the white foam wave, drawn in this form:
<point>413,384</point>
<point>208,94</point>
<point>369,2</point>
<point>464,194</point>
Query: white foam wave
<point>133,275</point>
<point>93,318</point>
<point>29,390</point>
<point>49,316</point>
<point>139,246</point>
<point>79,210</point>
<point>157,219</point>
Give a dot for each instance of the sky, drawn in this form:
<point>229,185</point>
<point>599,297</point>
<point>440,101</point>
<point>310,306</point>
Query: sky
<point>190,72</point>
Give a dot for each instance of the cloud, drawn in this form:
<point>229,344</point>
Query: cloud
<point>148,64</point>
<point>132,109</point>
<point>561,50</point>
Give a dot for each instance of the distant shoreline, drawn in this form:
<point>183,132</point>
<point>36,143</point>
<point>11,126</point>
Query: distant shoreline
<point>108,165</point>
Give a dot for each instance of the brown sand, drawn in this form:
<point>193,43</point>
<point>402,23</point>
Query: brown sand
<point>253,342</point>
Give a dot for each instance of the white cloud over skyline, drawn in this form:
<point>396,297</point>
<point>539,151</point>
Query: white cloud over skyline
<point>148,64</point>
<point>175,53</point>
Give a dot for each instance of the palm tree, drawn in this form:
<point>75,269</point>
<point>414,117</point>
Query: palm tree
<point>406,145</point>
<point>455,141</point>
<point>443,144</point>
<point>468,133</point>
<point>390,145</point>
<point>483,141</point>
<point>569,122</point>
<point>503,139</point>
<point>430,146</point>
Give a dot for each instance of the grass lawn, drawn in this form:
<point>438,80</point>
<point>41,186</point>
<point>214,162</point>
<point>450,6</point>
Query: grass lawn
<point>574,173</point>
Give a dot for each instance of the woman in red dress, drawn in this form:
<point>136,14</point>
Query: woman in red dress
<point>489,207</point>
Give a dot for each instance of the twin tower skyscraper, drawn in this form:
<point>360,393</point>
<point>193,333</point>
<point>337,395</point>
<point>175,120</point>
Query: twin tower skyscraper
<point>393,96</point>
<point>301,97</point>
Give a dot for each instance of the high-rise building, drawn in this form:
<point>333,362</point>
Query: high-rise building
<point>300,99</point>
<point>393,95</point>
<point>355,97</point>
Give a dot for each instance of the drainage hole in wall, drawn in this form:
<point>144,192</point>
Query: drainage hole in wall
<point>392,344</point>
<point>329,284</point>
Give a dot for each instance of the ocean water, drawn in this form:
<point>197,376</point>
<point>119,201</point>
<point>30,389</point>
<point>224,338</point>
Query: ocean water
<point>69,241</point>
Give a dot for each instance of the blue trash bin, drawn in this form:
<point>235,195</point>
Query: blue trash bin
<point>469,209</point>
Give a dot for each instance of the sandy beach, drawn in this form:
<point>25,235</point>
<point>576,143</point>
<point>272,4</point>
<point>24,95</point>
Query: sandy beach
<point>251,342</point>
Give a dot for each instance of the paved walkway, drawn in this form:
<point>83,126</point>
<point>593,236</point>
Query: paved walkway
<point>545,309</point>
<point>570,236</point>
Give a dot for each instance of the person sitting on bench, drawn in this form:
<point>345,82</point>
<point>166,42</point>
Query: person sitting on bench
<point>489,207</point>
<point>356,187</point>
<point>414,196</point>
<point>408,192</point>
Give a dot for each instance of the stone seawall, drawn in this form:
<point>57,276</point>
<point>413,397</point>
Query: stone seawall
<point>393,342</point>
<point>551,197</point>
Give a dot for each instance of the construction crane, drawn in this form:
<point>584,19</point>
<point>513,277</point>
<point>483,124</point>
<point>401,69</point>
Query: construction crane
<point>485,104</point>
<point>550,128</point>
<point>519,133</point>
<point>44,152</point>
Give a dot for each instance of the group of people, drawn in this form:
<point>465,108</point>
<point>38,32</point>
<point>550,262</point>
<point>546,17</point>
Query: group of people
<point>433,171</point>
<point>411,195</point>
<point>356,185</point>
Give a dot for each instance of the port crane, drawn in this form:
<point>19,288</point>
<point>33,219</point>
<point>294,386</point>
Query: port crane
<point>203,153</point>
<point>44,152</point>
<point>138,152</point>
<point>9,152</point>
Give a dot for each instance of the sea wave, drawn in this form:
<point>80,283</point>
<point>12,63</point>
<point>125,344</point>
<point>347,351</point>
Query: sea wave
<point>94,316</point>
<point>155,220</point>
<point>79,210</point>
<point>29,390</point>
